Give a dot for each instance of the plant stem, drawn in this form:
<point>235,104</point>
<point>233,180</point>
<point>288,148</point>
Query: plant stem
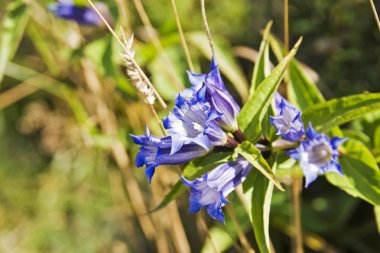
<point>297,245</point>
<point>375,14</point>
<point>286,44</point>
<point>205,23</point>
<point>182,36</point>
<point>157,44</point>
<point>146,79</point>
<point>243,239</point>
<point>202,224</point>
<point>286,25</point>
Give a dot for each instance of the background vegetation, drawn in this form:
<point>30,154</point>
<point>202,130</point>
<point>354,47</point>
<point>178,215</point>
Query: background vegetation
<point>67,177</point>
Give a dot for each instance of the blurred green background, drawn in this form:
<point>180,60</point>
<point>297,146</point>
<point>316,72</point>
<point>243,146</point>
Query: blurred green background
<point>67,177</point>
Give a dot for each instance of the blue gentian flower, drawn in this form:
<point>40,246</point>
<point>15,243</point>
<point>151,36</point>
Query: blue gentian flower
<point>317,155</point>
<point>155,151</point>
<point>210,191</point>
<point>288,121</point>
<point>81,14</point>
<point>193,121</point>
<point>197,80</point>
<point>211,87</point>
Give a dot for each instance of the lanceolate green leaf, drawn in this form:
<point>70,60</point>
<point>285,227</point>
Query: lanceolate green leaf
<point>361,173</point>
<point>341,110</point>
<point>193,170</point>
<point>302,90</point>
<point>225,60</point>
<point>260,201</point>
<point>254,157</point>
<point>13,26</point>
<point>257,105</point>
<point>262,64</point>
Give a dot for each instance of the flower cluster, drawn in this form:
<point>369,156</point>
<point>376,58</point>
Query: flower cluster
<point>203,117</point>
<point>317,153</point>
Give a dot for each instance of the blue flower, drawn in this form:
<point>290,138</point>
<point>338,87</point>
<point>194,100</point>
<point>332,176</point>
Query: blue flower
<point>288,121</point>
<point>81,14</point>
<point>317,155</point>
<point>193,121</point>
<point>210,191</point>
<point>155,151</point>
<point>197,80</point>
<point>211,87</point>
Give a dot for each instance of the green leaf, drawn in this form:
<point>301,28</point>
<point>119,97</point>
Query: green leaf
<point>260,201</point>
<point>254,157</point>
<point>262,65</point>
<point>193,170</point>
<point>226,62</point>
<point>302,91</point>
<point>260,72</point>
<point>14,23</point>
<point>44,48</point>
<point>361,174</point>
<point>257,105</point>
<point>341,110</point>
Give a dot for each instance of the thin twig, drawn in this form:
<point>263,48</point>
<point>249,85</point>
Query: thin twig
<point>158,119</point>
<point>205,23</point>
<point>286,42</point>
<point>181,35</point>
<point>19,92</point>
<point>109,125</point>
<point>286,25</point>
<point>296,195</point>
<point>156,43</point>
<point>375,14</point>
<point>297,244</point>
<point>146,79</point>
<point>243,239</point>
<point>202,223</point>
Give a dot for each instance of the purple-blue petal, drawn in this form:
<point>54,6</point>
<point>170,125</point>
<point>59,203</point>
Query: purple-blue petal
<point>287,122</point>
<point>155,151</point>
<point>81,14</point>
<point>311,134</point>
<point>317,155</point>
<point>336,142</point>
<point>210,190</point>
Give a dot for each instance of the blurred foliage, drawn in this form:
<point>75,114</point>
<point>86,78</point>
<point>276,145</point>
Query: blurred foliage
<point>67,179</point>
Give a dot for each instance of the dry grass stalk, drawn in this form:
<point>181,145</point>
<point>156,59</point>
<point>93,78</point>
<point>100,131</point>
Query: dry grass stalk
<point>182,36</point>
<point>375,14</point>
<point>157,44</point>
<point>136,66</point>
<point>207,28</point>
<point>134,75</point>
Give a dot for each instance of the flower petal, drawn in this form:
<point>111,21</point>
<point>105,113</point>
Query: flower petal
<point>210,190</point>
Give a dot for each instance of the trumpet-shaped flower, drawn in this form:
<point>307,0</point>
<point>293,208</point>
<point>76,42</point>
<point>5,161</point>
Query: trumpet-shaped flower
<point>193,121</point>
<point>288,121</point>
<point>211,189</point>
<point>317,155</point>
<point>155,151</point>
<point>211,87</point>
